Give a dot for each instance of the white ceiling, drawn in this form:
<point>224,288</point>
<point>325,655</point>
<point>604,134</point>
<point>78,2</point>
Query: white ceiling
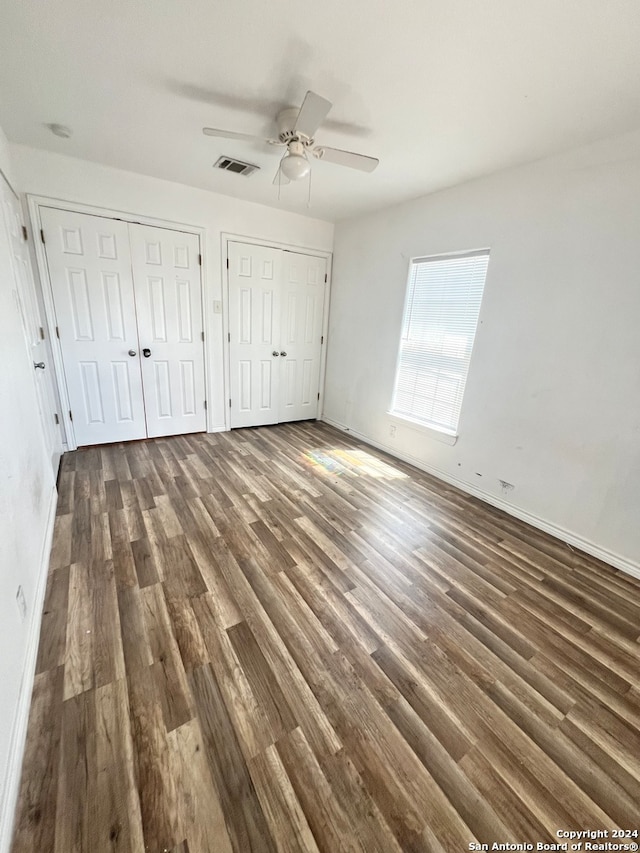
<point>439,91</point>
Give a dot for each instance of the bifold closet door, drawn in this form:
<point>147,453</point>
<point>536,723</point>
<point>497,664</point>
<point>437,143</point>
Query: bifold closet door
<point>129,314</point>
<point>301,311</point>
<point>90,269</point>
<point>276,305</point>
<point>255,274</point>
<point>166,278</point>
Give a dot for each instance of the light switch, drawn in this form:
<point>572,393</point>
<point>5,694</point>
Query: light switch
<point>217,307</point>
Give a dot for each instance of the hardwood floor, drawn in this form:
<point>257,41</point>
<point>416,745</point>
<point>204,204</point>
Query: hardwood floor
<point>281,640</point>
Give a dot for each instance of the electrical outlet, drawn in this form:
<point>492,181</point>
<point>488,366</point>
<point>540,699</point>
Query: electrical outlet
<point>21,601</point>
<point>392,430</point>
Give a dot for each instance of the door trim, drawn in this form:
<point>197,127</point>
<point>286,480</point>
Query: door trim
<point>35,203</point>
<point>226,238</point>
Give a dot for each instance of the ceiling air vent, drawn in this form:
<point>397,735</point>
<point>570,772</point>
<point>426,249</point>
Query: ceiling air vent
<point>237,166</point>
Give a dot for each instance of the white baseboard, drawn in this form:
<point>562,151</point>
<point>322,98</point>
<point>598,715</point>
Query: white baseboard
<point>610,557</point>
<point>19,733</point>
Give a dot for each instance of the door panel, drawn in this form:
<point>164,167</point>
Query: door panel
<point>38,347</point>
<point>166,275</point>
<point>90,269</point>
<point>302,303</point>
<point>276,305</point>
<point>254,323</point>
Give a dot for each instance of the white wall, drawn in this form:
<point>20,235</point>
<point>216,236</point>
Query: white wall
<point>53,175</point>
<point>553,397</point>
<point>27,492</point>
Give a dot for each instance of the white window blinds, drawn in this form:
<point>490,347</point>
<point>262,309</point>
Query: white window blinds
<point>438,328</point>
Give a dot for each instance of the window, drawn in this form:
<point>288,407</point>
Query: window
<point>438,328</point>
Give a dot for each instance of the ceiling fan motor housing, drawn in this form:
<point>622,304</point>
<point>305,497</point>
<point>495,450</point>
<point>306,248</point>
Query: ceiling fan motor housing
<point>286,121</point>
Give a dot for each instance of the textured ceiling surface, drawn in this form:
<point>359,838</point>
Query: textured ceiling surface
<point>441,91</point>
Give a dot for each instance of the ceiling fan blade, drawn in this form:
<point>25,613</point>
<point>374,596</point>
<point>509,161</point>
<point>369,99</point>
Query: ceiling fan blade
<point>346,158</point>
<point>312,113</point>
<point>231,134</point>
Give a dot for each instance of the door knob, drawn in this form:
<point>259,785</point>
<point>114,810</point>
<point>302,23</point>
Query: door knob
<point>283,352</point>
<point>39,364</point>
<point>132,352</point>
<point>146,352</point>
<point>275,352</point>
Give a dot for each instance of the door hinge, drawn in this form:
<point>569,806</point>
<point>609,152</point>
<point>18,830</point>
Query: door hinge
<point>56,418</point>
<point>318,395</point>
<point>24,232</point>
<point>229,337</point>
<point>57,332</point>
<point>202,335</point>
<point>229,402</point>
<point>70,415</point>
<point>42,236</point>
<point>227,263</point>
<point>199,260</point>
<point>321,340</point>
<point>41,333</point>
<point>205,404</point>
<point>325,278</point>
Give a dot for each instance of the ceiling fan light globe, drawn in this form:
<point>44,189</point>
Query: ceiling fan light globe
<point>295,167</point>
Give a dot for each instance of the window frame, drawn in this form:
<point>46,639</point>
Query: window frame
<point>440,432</point>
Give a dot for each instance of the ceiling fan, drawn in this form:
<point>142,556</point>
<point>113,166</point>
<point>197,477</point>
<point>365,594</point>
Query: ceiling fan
<point>296,129</point>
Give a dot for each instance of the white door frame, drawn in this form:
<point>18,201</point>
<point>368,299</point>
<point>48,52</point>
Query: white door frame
<point>35,203</point>
<point>227,238</point>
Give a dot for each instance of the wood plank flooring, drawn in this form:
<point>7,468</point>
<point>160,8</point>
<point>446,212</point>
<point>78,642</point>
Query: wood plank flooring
<point>278,639</point>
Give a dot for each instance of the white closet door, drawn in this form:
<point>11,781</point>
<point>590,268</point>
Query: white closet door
<point>90,268</point>
<point>166,275</point>
<point>255,275</point>
<point>33,324</point>
<point>302,306</point>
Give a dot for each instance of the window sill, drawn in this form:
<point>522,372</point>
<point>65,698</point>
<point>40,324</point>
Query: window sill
<point>443,435</point>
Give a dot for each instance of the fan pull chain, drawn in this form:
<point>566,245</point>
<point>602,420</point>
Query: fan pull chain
<point>309,196</point>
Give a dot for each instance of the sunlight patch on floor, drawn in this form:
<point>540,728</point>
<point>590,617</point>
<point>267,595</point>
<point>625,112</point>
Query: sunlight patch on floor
<point>337,461</point>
